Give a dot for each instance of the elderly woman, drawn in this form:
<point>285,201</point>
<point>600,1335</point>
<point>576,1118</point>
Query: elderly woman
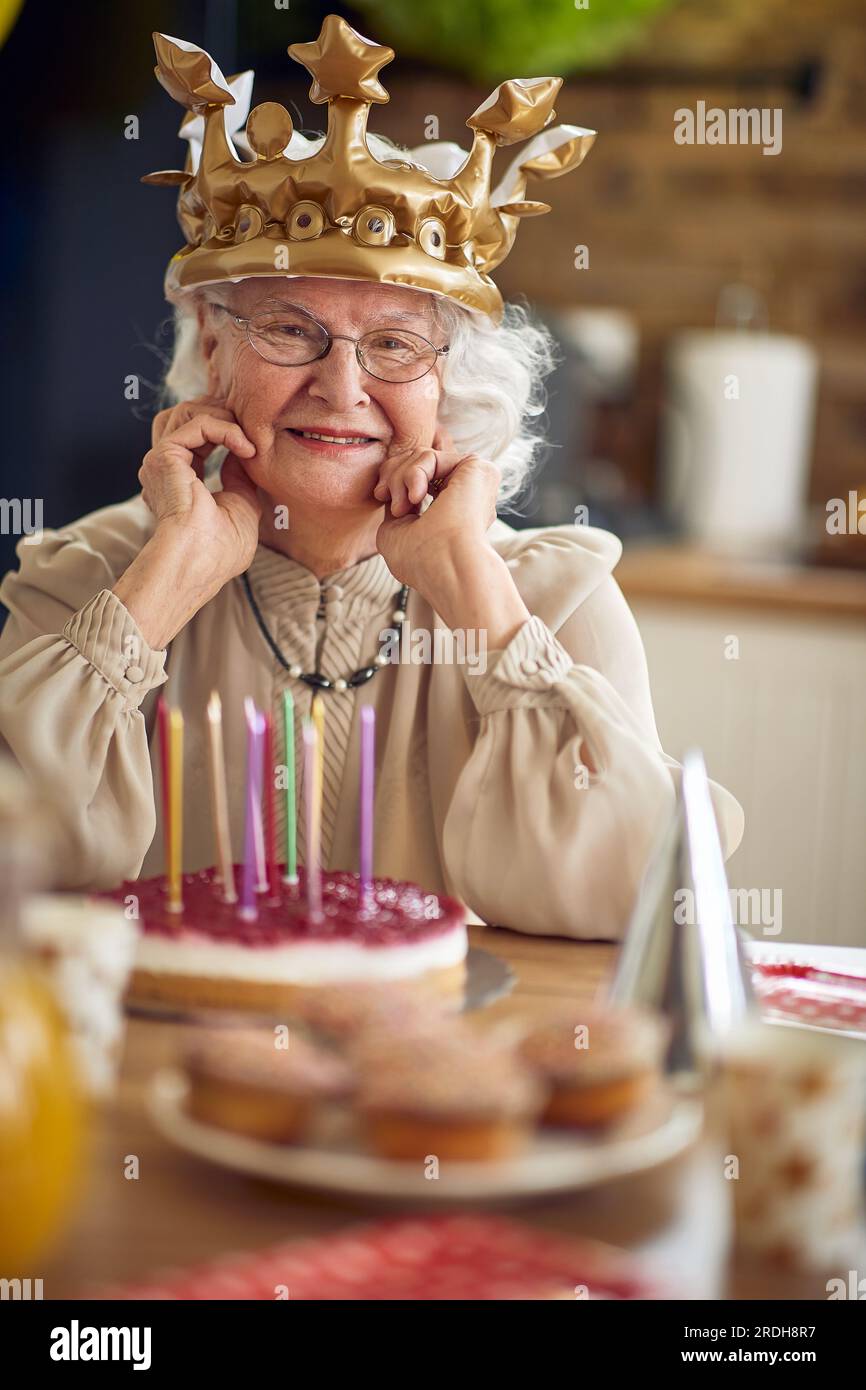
<point>328,479</point>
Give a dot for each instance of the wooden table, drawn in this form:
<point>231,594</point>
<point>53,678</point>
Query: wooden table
<point>179,1210</point>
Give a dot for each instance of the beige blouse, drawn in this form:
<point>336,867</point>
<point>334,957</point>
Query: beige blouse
<point>479,788</point>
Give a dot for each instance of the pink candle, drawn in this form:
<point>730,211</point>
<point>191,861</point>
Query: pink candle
<point>253,818</point>
<point>270,810</point>
<point>313,819</point>
<point>368,760</point>
<point>258,821</point>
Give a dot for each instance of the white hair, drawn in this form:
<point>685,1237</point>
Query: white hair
<point>492,381</point>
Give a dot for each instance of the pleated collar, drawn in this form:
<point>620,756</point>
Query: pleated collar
<point>284,586</point>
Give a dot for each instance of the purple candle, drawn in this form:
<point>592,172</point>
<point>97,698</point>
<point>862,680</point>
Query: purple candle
<point>252,821</point>
<point>313,819</point>
<point>368,760</point>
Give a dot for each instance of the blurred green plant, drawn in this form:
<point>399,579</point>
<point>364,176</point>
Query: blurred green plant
<point>492,40</point>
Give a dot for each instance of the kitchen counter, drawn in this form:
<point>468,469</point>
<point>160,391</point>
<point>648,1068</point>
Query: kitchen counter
<point>761,665</point>
<point>688,574</point>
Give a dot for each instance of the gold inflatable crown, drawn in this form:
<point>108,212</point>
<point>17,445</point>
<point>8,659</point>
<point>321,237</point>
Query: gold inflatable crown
<point>270,201</point>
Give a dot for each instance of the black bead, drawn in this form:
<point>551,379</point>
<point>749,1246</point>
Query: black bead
<point>362,676</point>
<point>313,679</point>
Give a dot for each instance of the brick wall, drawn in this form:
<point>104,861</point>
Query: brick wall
<point>668,225</point>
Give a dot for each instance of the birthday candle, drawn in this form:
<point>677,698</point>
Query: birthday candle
<point>270,815</point>
<point>368,753</point>
<point>318,713</point>
<point>255,731</point>
<point>175,817</point>
<point>162,726</point>
<point>312,806</point>
<point>291,826</point>
<point>219,799</point>
<point>258,823</point>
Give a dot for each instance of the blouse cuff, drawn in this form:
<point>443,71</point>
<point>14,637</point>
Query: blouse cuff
<point>533,662</point>
<point>106,635</point>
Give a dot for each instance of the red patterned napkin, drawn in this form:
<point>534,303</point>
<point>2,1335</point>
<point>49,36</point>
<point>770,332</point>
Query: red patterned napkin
<point>808,993</point>
<point>419,1259</point>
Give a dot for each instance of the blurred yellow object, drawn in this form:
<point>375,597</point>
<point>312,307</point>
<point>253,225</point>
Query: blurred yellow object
<point>8,14</point>
<point>42,1119</point>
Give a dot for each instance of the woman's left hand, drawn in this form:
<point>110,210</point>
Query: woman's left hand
<point>444,553</point>
<point>464,487</point>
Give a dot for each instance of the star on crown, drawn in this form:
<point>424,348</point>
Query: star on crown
<point>342,63</point>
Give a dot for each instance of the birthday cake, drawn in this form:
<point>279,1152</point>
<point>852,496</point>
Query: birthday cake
<point>210,954</point>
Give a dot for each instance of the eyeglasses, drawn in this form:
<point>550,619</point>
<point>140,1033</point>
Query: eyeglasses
<point>288,336</point>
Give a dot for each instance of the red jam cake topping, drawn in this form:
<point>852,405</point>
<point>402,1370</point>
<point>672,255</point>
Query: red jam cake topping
<point>395,913</point>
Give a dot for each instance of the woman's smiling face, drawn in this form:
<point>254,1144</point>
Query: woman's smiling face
<point>334,395</point>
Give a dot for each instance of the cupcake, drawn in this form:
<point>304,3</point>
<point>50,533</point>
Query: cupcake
<point>598,1064</point>
<point>240,1080</point>
<point>341,1015</point>
<point>443,1092</point>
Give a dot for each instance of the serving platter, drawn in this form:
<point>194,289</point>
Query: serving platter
<point>334,1160</point>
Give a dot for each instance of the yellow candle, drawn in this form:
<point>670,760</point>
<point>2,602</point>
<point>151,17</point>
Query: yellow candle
<point>175,801</point>
<point>219,799</point>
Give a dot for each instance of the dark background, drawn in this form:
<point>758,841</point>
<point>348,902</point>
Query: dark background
<point>84,243</point>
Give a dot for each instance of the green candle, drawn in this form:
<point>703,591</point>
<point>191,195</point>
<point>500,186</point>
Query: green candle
<point>291,875</point>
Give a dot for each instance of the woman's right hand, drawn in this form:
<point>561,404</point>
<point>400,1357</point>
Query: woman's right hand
<point>202,538</point>
<point>224,525</point>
